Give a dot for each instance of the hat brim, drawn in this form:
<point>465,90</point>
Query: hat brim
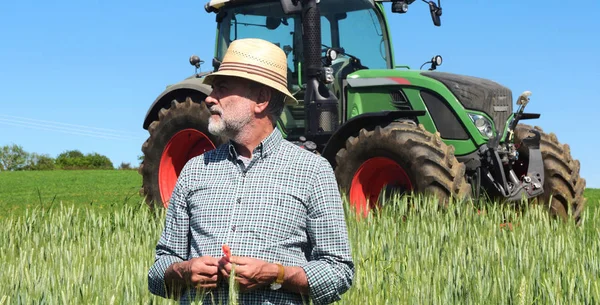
<point>289,98</point>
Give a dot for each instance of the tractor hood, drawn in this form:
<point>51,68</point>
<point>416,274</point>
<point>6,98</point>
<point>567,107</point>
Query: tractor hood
<point>479,94</point>
<point>472,93</point>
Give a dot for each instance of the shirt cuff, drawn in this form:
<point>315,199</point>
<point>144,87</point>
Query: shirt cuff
<point>156,275</point>
<point>322,283</point>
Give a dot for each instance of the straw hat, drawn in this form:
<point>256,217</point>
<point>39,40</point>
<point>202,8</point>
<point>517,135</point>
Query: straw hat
<point>257,60</point>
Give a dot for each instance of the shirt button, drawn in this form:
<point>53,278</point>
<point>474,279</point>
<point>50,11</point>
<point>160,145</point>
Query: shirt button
<point>239,200</point>
<point>233,228</point>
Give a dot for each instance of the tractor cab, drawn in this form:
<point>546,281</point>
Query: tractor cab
<point>354,36</point>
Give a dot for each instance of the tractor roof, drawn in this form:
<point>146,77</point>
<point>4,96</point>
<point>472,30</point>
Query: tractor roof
<point>217,4</point>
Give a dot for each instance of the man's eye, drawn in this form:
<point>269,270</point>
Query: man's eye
<point>218,88</point>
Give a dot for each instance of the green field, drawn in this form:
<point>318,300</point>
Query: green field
<point>94,245</point>
<point>100,190</point>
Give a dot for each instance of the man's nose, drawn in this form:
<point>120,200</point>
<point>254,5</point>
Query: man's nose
<point>210,100</point>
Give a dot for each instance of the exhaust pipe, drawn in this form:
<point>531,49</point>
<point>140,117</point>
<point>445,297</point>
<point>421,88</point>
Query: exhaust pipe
<point>311,36</point>
<point>320,104</point>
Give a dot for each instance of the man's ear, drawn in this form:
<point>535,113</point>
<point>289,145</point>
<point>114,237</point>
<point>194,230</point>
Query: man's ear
<point>262,99</point>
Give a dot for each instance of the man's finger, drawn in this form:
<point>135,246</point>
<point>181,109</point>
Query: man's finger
<point>241,276</point>
<point>224,273</point>
<point>207,286</point>
<point>209,270</point>
<point>207,260</point>
<point>242,280</point>
<point>200,279</point>
<point>210,279</point>
<point>245,284</point>
<point>227,267</point>
<point>211,261</point>
<point>223,260</point>
<point>238,260</point>
<point>241,269</point>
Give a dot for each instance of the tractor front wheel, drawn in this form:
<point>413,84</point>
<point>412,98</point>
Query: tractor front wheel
<point>179,134</point>
<point>402,157</point>
<point>563,187</point>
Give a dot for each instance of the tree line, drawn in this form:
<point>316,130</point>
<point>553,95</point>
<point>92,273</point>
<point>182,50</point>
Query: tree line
<point>15,158</point>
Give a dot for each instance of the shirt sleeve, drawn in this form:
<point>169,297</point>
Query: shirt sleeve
<point>330,269</point>
<point>173,245</point>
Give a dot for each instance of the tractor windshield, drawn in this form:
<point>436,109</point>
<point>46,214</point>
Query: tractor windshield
<point>356,26</point>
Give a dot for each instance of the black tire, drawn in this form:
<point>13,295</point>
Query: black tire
<point>192,113</point>
<point>562,184</point>
<point>429,163</point>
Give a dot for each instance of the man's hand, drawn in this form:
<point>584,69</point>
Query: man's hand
<point>250,273</point>
<point>199,272</point>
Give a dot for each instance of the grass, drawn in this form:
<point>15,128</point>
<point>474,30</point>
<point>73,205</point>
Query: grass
<point>462,257</point>
<point>77,256</point>
<point>80,255</point>
<point>98,189</point>
<point>593,200</point>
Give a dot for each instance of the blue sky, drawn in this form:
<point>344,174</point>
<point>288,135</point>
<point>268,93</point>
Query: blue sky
<point>82,74</point>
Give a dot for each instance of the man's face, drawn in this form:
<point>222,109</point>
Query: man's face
<point>230,105</point>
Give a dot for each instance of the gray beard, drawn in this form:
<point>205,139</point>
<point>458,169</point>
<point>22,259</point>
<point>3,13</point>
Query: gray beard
<point>230,130</point>
<point>217,128</point>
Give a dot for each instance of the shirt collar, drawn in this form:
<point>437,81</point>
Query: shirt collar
<point>264,148</point>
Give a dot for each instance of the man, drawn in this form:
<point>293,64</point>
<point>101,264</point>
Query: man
<point>275,205</point>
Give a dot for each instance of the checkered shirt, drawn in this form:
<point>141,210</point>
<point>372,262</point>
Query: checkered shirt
<point>284,207</point>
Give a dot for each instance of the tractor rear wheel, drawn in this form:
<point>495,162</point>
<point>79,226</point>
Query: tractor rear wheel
<point>562,182</point>
<point>402,156</point>
<point>179,134</point>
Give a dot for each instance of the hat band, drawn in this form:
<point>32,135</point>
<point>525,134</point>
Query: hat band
<point>254,69</point>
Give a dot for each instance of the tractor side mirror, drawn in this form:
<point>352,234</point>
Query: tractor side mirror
<point>436,12</point>
<point>291,7</point>
<point>401,7</point>
<point>196,62</point>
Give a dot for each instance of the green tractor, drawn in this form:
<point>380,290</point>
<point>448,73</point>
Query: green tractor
<point>381,126</point>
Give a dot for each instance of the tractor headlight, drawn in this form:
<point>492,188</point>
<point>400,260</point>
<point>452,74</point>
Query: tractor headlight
<point>483,125</point>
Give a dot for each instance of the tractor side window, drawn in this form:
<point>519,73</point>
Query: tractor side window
<point>325,31</point>
<point>361,35</point>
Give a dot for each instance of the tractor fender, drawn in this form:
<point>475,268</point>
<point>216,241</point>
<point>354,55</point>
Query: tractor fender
<point>186,87</point>
<point>354,125</point>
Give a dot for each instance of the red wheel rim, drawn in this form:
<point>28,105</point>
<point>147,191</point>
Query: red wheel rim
<point>371,177</point>
<point>183,146</point>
